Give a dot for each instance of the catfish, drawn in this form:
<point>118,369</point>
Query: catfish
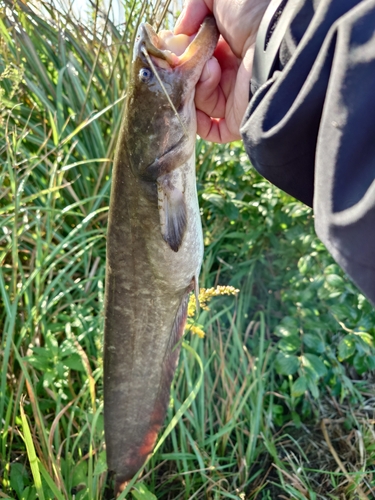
<point>154,243</point>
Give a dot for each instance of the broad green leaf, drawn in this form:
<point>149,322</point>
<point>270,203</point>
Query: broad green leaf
<point>101,464</point>
<point>80,473</point>
<point>335,281</point>
<point>287,327</point>
<point>366,337</point>
<point>18,477</point>
<point>313,388</point>
<point>360,363</point>
<point>290,344</point>
<point>140,492</point>
<point>215,199</point>
<point>371,362</point>
<point>231,211</point>
<point>299,387</point>
<point>277,409</point>
<point>346,347</point>
<point>332,269</point>
<point>315,364</point>
<point>296,419</point>
<point>49,378</point>
<point>305,263</point>
<point>285,331</point>
<point>286,364</point>
<point>39,363</point>
<point>314,342</point>
<point>29,493</point>
<point>74,362</point>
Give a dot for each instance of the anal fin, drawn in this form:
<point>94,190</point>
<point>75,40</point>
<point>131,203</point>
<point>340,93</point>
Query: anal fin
<point>172,211</point>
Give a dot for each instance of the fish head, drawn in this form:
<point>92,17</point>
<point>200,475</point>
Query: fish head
<point>160,112</point>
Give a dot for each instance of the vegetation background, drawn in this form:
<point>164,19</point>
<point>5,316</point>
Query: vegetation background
<point>277,401</point>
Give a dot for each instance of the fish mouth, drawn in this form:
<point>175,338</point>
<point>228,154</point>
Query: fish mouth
<point>169,51</point>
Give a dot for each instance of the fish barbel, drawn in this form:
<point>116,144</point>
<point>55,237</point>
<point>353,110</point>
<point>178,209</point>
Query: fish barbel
<point>154,243</point>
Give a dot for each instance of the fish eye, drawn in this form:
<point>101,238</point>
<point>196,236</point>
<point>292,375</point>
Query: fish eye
<point>145,75</point>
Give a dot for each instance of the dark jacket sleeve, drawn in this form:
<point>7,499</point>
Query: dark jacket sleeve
<point>310,129</point>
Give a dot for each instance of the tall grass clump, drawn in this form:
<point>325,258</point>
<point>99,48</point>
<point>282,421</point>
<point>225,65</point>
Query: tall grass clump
<point>285,364</point>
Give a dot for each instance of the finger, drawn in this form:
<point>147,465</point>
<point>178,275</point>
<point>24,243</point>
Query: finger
<point>209,96</point>
<point>192,16</point>
<point>229,64</point>
<point>215,129</point>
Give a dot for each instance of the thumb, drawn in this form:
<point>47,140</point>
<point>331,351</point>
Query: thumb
<point>192,16</point>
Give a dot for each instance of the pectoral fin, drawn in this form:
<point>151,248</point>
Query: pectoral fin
<point>173,215</point>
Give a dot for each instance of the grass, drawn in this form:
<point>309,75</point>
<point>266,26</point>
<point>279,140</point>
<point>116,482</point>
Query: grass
<point>275,402</point>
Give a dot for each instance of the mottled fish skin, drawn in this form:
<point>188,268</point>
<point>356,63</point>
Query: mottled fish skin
<point>154,249</point>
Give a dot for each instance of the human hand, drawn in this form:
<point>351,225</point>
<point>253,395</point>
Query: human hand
<point>222,94</point>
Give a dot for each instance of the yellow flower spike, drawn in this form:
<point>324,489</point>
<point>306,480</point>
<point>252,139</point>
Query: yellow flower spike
<point>192,306</point>
<point>196,330</point>
<point>205,295</point>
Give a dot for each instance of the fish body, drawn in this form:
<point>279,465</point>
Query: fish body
<point>154,245</point>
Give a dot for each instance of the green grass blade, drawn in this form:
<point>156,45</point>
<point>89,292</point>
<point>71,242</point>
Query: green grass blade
<point>50,482</point>
<point>33,460</point>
